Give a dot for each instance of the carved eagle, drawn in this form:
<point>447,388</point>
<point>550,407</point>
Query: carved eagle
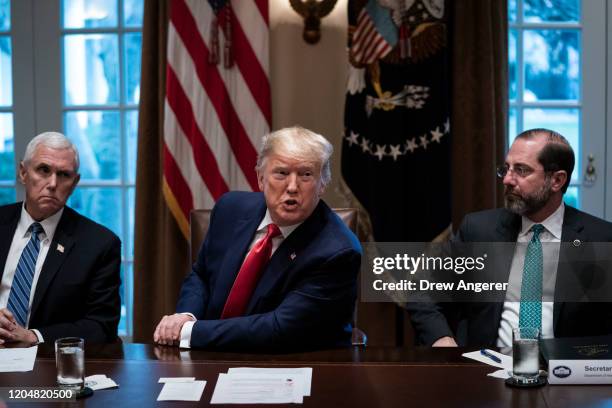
<point>312,11</point>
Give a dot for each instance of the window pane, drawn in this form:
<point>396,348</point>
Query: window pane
<point>552,65</point>
<point>512,126</point>
<point>5,15</point>
<point>97,136</point>
<point>90,13</point>
<point>132,47</point>
<point>571,196</point>
<point>564,121</point>
<point>132,12</point>
<point>6,71</point>
<point>101,204</point>
<point>536,11</point>
<point>131,132</point>
<point>7,155</point>
<point>91,69</point>
<point>7,196</point>
<point>129,245</point>
<point>512,10</point>
<point>512,53</point>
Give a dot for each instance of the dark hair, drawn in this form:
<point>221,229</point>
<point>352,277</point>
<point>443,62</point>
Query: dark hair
<point>556,155</point>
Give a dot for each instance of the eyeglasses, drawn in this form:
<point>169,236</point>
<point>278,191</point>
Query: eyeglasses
<point>519,171</point>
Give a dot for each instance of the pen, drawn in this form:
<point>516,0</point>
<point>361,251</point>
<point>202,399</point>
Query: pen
<point>488,354</point>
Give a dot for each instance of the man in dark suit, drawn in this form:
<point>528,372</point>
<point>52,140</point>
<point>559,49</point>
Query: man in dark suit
<point>60,275</point>
<point>277,269</point>
<point>535,176</point>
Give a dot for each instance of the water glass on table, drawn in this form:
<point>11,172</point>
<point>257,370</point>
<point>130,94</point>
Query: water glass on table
<point>70,362</point>
<point>525,355</point>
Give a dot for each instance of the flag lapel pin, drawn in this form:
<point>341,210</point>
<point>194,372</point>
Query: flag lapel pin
<point>60,248</point>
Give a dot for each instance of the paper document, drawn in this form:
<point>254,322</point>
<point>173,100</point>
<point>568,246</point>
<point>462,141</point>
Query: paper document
<point>182,391</point>
<point>258,389</point>
<point>503,374</point>
<point>176,379</point>
<point>506,361</point>
<point>100,382</point>
<point>305,371</point>
<point>17,359</point>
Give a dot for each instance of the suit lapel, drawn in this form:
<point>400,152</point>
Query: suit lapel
<point>243,234</point>
<point>8,225</point>
<point>571,231</point>
<point>507,230</point>
<point>287,254</point>
<point>60,248</point>
<point>508,227</point>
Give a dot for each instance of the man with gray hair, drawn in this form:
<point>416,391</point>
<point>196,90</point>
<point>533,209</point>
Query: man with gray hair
<point>277,269</point>
<point>60,274</point>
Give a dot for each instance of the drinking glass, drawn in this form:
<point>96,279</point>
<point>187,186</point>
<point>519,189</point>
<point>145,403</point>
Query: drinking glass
<point>525,355</point>
<point>70,362</point>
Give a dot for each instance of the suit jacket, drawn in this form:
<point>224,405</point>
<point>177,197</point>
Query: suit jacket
<point>305,296</point>
<point>77,293</point>
<point>477,323</point>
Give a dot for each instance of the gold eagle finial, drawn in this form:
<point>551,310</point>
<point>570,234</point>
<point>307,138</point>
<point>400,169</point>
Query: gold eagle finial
<point>312,11</point>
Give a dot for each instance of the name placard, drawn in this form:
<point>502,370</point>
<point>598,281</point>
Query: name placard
<point>580,371</point>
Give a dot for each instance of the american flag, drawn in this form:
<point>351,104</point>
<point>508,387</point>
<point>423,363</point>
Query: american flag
<point>217,101</point>
<point>375,34</point>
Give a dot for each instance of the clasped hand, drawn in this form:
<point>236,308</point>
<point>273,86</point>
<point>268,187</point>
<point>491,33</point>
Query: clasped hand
<point>12,332</point>
<point>168,331</point>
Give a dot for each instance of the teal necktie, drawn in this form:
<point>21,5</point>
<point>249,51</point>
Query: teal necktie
<point>530,314</point>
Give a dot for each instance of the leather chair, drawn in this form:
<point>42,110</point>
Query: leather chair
<point>198,225</point>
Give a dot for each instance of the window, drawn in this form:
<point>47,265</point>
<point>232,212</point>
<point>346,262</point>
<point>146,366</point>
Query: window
<point>101,42</point>
<point>77,65</point>
<point>7,156</point>
<point>544,46</point>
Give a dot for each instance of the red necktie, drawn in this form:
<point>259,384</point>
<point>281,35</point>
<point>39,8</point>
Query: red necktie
<point>249,274</point>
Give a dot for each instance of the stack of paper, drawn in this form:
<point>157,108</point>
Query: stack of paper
<point>250,385</point>
<point>100,382</point>
<point>17,359</point>
<point>181,389</point>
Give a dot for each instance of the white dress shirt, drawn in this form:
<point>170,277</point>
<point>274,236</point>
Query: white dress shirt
<point>20,240</point>
<point>551,239</point>
<point>261,231</point>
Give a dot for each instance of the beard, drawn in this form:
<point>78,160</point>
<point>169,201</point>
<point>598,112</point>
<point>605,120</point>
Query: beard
<point>530,203</point>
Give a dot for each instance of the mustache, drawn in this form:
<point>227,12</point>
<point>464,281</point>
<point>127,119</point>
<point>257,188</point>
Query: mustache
<point>509,191</point>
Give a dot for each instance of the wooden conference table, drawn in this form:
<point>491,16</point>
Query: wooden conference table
<point>355,377</point>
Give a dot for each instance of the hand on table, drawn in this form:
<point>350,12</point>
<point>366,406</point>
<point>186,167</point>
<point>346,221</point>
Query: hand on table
<point>168,330</point>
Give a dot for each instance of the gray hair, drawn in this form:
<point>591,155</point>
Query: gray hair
<point>300,143</point>
<point>52,140</point>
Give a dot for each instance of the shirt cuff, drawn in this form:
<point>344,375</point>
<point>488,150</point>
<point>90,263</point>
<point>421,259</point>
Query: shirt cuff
<point>189,314</point>
<point>186,334</point>
<point>40,337</point>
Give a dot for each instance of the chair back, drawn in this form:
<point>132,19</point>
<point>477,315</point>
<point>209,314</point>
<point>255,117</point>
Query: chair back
<point>198,226</point>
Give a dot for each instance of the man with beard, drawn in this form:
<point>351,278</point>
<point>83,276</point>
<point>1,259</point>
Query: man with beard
<point>536,174</point>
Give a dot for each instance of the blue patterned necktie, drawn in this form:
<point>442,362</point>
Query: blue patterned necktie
<point>19,299</point>
<point>530,314</point>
